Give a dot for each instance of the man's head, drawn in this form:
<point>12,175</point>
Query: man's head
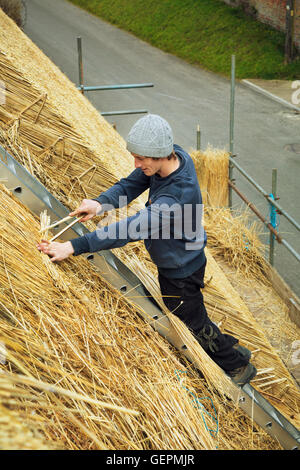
<point>151,136</point>
<point>150,142</point>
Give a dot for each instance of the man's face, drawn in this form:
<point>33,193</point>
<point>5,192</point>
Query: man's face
<point>148,165</point>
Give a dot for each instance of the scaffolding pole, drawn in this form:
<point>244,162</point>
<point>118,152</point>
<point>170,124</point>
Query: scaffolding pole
<point>83,88</point>
<point>265,221</point>
<point>231,127</point>
<point>265,194</point>
<point>116,87</point>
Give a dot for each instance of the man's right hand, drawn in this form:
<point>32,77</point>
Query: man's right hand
<point>88,207</point>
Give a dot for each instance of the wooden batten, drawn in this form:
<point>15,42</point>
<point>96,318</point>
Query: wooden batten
<point>285,292</point>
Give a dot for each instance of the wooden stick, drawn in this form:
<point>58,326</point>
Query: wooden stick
<point>283,379</point>
<point>76,180</point>
<point>85,172</point>
<point>26,109</point>
<point>92,175</point>
<point>264,371</point>
<point>263,378</point>
<point>65,229</point>
<point>30,162</point>
<point>58,222</point>
<point>51,146</point>
<point>63,148</point>
<point>68,165</point>
<point>40,110</point>
<point>82,187</point>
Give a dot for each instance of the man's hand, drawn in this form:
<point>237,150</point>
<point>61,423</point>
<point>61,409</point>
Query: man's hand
<point>57,251</point>
<point>88,207</point>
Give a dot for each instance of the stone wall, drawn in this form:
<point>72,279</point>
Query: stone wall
<point>272,12</point>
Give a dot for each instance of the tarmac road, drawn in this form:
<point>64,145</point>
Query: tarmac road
<point>266,133</point>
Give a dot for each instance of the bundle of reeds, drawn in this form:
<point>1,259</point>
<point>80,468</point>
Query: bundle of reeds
<point>230,233</point>
<point>82,365</point>
<point>234,237</point>
<point>212,170</point>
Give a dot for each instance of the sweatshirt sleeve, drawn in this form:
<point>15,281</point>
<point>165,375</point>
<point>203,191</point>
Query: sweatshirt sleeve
<point>127,188</point>
<point>145,224</point>
<point>114,235</point>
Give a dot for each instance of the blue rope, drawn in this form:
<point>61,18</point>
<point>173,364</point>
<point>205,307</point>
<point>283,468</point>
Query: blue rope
<point>201,407</point>
<point>247,243</point>
<point>273,215</point>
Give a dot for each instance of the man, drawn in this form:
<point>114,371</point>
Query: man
<point>172,230</point>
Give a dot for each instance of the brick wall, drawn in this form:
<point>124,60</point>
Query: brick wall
<point>272,12</point>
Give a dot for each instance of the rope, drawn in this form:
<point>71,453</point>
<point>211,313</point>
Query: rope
<point>197,404</point>
<point>273,215</point>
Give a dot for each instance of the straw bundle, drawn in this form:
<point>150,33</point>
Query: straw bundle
<point>212,170</point>
<point>84,367</point>
<point>230,235</point>
<point>235,239</point>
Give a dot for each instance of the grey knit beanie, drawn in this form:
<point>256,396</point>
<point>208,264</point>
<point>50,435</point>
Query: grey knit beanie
<point>151,136</point>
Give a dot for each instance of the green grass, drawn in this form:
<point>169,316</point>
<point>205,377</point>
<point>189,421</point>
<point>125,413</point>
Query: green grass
<point>202,32</point>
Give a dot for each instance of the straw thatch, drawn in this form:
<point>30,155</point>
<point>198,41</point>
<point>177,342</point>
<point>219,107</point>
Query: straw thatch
<point>83,366</point>
<point>224,308</point>
<point>234,237</point>
<point>15,434</point>
<point>212,170</point>
<point>89,341</point>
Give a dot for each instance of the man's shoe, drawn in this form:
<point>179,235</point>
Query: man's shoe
<point>246,353</point>
<point>243,375</point>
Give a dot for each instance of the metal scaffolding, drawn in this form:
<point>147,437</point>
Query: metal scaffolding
<point>84,88</point>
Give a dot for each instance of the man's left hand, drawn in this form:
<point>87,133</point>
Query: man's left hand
<point>57,251</point>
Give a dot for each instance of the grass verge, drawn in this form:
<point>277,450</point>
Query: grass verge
<point>202,32</point>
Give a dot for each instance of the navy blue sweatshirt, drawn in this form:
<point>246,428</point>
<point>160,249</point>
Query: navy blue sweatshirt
<point>170,224</point>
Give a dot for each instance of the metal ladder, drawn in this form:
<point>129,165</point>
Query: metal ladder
<point>36,197</point>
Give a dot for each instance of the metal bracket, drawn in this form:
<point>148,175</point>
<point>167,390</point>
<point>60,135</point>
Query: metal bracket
<point>266,416</point>
<point>36,197</point>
